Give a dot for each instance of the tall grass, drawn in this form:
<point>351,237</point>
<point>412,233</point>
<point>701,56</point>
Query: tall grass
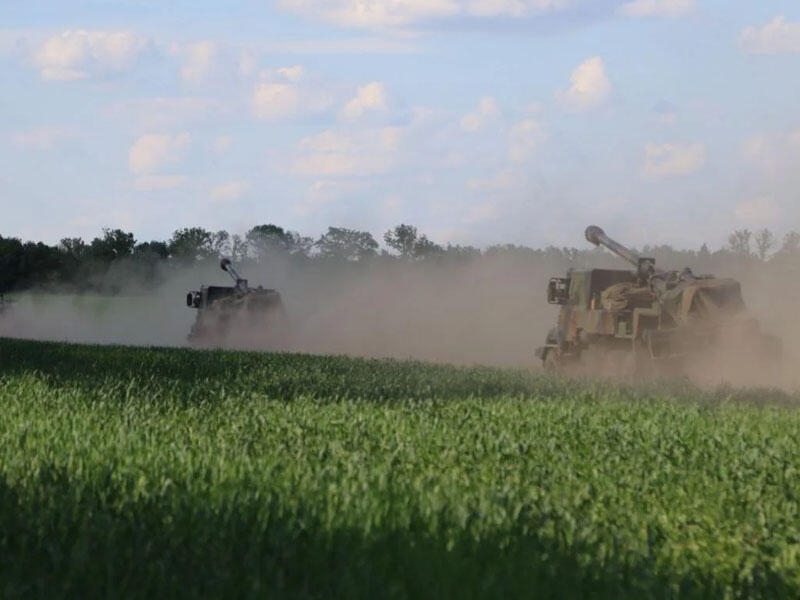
<point>174,473</point>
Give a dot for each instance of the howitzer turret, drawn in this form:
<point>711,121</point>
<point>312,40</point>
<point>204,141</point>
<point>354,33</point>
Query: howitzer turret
<point>241,284</point>
<point>659,281</point>
<point>654,316</point>
<point>238,315</point>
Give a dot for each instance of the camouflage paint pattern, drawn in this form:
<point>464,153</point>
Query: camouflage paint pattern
<point>651,313</point>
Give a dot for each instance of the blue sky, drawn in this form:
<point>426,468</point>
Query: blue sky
<point>479,121</point>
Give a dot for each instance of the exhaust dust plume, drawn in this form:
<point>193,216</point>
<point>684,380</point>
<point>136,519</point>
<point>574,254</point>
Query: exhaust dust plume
<point>489,310</point>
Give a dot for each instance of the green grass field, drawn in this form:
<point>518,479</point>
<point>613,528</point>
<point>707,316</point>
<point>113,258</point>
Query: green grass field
<point>131,472</point>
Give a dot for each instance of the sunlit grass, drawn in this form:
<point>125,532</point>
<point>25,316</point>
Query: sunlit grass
<point>153,472</point>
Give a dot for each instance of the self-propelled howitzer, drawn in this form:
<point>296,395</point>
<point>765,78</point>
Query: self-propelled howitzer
<point>656,318</point>
<point>237,316</point>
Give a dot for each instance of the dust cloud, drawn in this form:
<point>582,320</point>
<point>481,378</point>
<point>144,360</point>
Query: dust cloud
<point>488,310</point>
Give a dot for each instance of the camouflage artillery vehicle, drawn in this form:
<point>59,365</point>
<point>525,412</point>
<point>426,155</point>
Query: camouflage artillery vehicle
<point>648,320</point>
<point>238,315</point>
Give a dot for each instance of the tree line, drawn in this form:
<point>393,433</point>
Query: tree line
<point>78,265</point>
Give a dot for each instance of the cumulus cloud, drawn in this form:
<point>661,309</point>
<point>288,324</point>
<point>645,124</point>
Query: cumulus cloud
<point>198,61</point>
<point>760,211</point>
<point>334,153</point>
<point>512,8</point>
<point>380,13</point>
<point>81,54</point>
<point>282,94</point>
<point>369,98</point>
<point>293,74</point>
<point>524,138</point>
<point>657,8</point>
<point>672,160</point>
<point>589,86</point>
<point>777,36</point>
<point>475,120</point>
<point>229,192</point>
<point>151,153</point>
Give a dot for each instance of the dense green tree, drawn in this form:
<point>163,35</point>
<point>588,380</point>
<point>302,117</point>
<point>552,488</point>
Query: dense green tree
<point>151,250</point>
<point>347,244</point>
<point>191,243</point>
<point>75,248</point>
<point>114,244</point>
<point>407,241</point>
<point>39,263</point>
<point>402,238</point>
<point>266,240</point>
<point>10,258</point>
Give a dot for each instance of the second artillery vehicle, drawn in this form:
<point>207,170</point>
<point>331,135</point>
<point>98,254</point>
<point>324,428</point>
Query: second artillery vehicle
<point>648,320</point>
<point>237,316</point>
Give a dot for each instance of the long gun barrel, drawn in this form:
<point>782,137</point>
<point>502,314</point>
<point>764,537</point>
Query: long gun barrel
<point>598,237</point>
<point>241,284</point>
<point>644,266</point>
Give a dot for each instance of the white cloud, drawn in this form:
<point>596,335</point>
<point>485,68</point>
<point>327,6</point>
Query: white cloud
<point>149,183</point>
<point>512,8</point>
<point>759,211</point>
<point>383,13</point>
<point>524,138</point>
<point>487,109</point>
<point>370,98</point>
<point>282,94</point>
<point>670,160</point>
<point>81,54</point>
<point>276,100</point>
<point>229,192</point>
<point>150,153</point>
<point>293,74</point>
<point>198,61</point>
<point>41,138</point>
<point>333,153</point>
<point>779,35</point>
<point>657,8</point>
<point>589,86</point>
<point>372,13</point>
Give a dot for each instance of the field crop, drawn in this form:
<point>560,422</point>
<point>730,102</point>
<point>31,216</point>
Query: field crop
<point>144,472</point>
